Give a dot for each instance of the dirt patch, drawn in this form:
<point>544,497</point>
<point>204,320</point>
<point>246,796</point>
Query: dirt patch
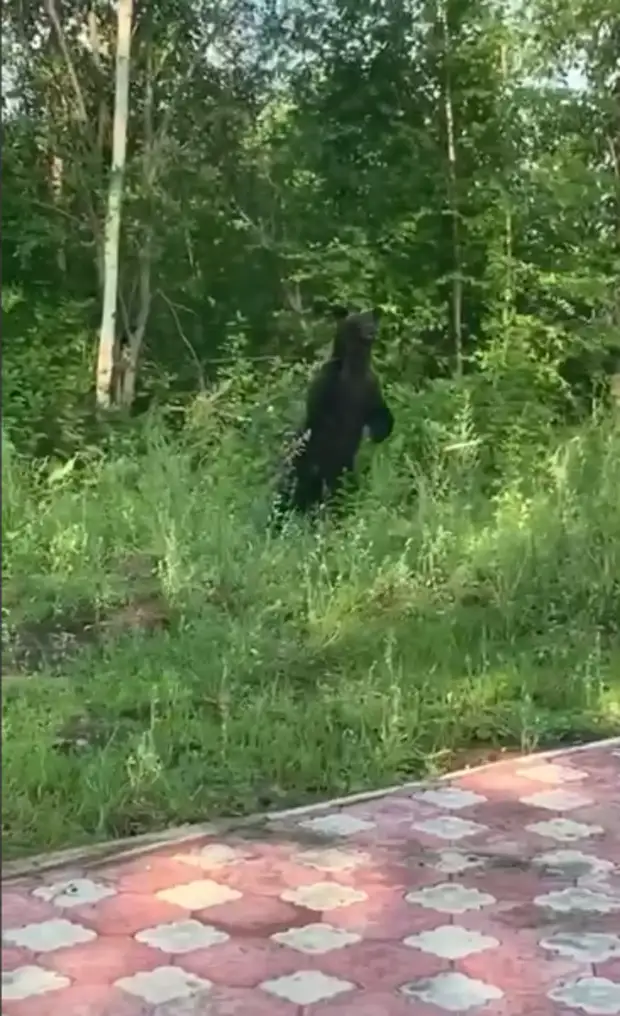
<point>480,755</point>
<point>47,643</point>
<point>471,758</point>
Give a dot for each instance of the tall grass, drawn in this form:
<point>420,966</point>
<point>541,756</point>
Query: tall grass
<point>447,609</point>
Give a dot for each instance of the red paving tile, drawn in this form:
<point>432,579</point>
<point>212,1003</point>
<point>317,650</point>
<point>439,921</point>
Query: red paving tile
<point>149,876</point>
<point>127,913</point>
<point>242,963</point>
<point>12,958</point>
<point>255,915</point>
<point>380,966</point>
<point>496,893</point>
<point>371,1004</point>
<point>19,909</point>
<point>384,917</point>
<point>102,961</point>
<point>610,969</point>
<point>79,1000</point>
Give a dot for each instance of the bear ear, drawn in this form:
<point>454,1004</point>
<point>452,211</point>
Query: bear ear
<point>377,314</point>
<point>368,324</point>
<point>339,311</point>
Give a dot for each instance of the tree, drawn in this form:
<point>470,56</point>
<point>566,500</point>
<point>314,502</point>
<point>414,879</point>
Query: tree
<point>426,157</point>
<point>109,373</point>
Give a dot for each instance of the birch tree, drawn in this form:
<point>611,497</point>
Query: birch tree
<point>108,360</point>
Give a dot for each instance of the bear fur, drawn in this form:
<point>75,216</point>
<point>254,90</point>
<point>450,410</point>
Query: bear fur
<point>343,400</point>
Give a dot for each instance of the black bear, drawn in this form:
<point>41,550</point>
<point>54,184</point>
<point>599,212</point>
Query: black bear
<point>344,398</point>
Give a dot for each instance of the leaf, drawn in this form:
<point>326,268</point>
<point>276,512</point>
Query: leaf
<point>62,471</point>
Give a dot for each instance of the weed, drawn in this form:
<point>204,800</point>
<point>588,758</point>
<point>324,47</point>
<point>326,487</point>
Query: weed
<point>226,670</point>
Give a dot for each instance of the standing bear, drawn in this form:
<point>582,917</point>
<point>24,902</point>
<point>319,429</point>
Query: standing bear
<point>344,398</point>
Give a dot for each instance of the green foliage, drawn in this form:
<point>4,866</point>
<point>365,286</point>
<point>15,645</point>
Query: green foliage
<point>436,617</point>
<point>431,161</point>
<point>47,369</point>
<point>442,162</point>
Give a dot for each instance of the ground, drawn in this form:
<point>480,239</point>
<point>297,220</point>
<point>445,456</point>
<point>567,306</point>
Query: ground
<point>166,661</point>
<point>496,890</point>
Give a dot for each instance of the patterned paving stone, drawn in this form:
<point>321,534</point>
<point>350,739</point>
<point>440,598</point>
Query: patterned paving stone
<point>449,827</point>
<point>127,913</point>
<point>451,942</point>
<point>305,987</point>
<point>455,862</point>
<point>590,994</point>
<point>164,984</point>
<point>573,864</point>
<point>182,936</point>
<point>324,896</point>
<point>74,893</point>
<point>576,899</point>
<point>12,958</point>
<point>495,892</point>
<point>79,1000</point>
<point>452,991</point>
<point>381,966</point>
<point>151,875</point>
<point>385,916</point>
<point>337,825</point>
<point>450,797</point>
<point>564,830</point>
<point>557,800</point>
<point>244,962</point>
<point>550,772</point>
<point>211,857</point>
<point>48,935</point>
<point>518,966</point>
<point>450,898</point>
<point>102,962</point>
<point>229,1002</point>
<point>587,946</point>
<point>198,895</point>
<point>333,859</point>
<point>316,939</point>
<point>253,914</point>
<point>20,908</point>
<point>24,982</point>
<point>610,969</point>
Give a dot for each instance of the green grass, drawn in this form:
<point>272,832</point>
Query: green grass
<point>442,613</point>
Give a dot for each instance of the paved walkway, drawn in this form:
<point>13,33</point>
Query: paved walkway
<point>495,893</point>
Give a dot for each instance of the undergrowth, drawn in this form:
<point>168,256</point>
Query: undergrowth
<point>167,659</point>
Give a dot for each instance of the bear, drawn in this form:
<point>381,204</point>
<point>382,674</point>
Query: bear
<point>344,399</point>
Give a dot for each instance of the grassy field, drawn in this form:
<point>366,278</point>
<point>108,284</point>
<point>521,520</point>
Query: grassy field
<point>165,660</point>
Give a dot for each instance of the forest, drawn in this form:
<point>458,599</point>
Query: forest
<point>187,187</point>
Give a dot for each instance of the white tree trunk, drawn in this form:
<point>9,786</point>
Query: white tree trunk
<point>457,276</point>
<point>57,174</point>
<point>106,360</point>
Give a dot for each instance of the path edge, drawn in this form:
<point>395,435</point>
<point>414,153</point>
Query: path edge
<point>135,846</point>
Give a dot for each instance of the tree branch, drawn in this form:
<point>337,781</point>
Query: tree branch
<point>184,338</point>
<point>50,7</point>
